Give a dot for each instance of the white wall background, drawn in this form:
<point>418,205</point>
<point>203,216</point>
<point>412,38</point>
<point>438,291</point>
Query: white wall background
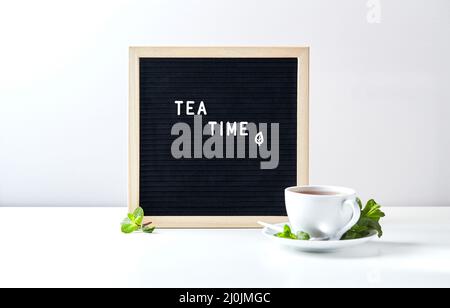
<point>380,99</point>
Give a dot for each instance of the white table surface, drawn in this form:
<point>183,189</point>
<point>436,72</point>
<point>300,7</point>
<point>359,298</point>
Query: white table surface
<point>83,247</point>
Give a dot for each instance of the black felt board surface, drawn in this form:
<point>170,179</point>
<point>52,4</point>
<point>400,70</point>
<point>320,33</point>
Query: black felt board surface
<point>233,89</point>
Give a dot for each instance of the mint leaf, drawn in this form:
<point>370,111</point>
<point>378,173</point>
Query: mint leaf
<point>287,229</point>
<point>131,217</point>
<point>372,211</point>
<point>128,227</point>
<point>139,215</point>
<point>287,233</point>
<point>138,212</point>
<point>148,229</point>
<point>374,225</point>
<point>303,236</point>
<point>139,220</point>
<point>357,231</point>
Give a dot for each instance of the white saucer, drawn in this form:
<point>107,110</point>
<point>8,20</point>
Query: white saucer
<point>316,246</point>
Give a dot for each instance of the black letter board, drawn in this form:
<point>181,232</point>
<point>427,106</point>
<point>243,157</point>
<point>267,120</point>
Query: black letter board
<point>218,137</point>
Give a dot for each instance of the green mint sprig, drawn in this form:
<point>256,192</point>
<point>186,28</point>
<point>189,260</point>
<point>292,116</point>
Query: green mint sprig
<point>369,221</point>
<point>287,233</point>
<point>134,222</point>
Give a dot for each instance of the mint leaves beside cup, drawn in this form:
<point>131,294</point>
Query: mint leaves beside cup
<point>287,233</point>
<point>369,222</point>
<point>134,222</point>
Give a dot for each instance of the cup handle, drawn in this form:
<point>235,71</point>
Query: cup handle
<point>356,215</point>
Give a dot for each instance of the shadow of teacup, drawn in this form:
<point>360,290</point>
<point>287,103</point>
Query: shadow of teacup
<point>370,250</point>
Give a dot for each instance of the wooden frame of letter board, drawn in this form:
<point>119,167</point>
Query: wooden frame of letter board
<point>301,53</point>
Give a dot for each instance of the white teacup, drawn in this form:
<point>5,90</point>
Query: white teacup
<point>324,212</point>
